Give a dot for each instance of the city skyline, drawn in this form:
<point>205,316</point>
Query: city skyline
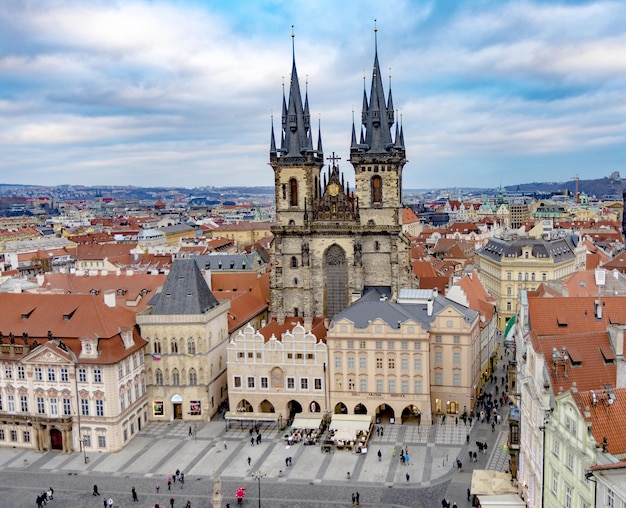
<point>180,93</point>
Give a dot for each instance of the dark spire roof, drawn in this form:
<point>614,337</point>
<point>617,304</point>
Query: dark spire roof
<point>272,141</point>
<point>296,118</point>
<point>185,291</point>
<point>378,113</point>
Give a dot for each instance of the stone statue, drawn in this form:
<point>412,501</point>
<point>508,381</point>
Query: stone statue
<point>216,499</point>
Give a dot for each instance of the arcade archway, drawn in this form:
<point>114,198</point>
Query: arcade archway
<point>412,415</point>
<point>360,409</point>
<point>266,407</point>
<point>293,407</point>
<point>341,409</point>
<point>385,414</point>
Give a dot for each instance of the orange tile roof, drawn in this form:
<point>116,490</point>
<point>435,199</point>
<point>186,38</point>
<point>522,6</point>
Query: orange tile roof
<point>102,251</point>
<point>607,420</point>
<point>139,287</point>
<point>579,313</point>
<point>408,216</point>
<point>477,295</point>
<point>68,318</point>
<point>585,364</point>
<point>277,330</point>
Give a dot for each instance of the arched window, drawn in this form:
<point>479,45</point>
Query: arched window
<point>191,346</point>
<point>193,377</point>
<point>158,377</point>
<point>293,192</point>
<point>294,262</point>
<point>377,189</point>
<point>175,377</point>
<point>173,346</point>
<point>157,346</point>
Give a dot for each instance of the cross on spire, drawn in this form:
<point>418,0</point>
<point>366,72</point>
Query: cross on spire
<point>333,158</point>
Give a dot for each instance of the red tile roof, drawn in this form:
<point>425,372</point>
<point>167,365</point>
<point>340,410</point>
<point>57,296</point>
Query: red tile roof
<point>607,419</point>
<point>277,330</point>
<point>68,318</point>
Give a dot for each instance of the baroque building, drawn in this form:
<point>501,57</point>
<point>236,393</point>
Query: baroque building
<point>330,241</point>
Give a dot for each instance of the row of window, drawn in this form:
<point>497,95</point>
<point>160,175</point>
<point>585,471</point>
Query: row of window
<point>391,345</point>
<point>102,440</point>
<point>418,385</point>
<point>251,382</point>
<point>13,436</point>
<point>157,349</point>
<point>526,275</point>
<point>62,374</point>
<point>193,377</point>
<point>53,405</point>
<point>129,394</point>
<point>391,361</point>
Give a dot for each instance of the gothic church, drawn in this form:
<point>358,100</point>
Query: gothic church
<point>330,242</point>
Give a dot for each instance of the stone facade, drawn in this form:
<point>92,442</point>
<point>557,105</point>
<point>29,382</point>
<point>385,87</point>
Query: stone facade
<point>331,242</point>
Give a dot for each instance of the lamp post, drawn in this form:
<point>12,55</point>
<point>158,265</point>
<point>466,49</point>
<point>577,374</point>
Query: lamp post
<point>84,443</point>
<point>257,475</point>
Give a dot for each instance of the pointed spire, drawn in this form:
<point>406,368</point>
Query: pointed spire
<point>353,140</point>
<point>320,151</point>
<point>272,141</point>
<point>378,114</point>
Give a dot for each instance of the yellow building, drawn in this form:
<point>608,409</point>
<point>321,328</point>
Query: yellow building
<point>408,360</point>
<point>507,266</point>
<point>244,232</point>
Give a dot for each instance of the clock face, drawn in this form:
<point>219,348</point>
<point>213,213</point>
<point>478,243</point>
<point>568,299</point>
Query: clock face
<point>333,189</point>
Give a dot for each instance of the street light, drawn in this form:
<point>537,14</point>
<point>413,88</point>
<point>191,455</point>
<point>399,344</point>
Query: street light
<point>84,443</point>
<point>257,475</point>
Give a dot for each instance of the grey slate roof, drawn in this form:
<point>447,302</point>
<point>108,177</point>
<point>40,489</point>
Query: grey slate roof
<point>559,249</point>
<point>369,308</point>
<point>226,262</point>
<point>185,291</point>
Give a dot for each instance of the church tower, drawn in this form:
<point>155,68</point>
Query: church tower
<point>331,243</point>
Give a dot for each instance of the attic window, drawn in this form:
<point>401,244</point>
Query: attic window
<point>26,315</point>
<point>561,321</point>
<point>575,357</point>
<point>207,266</point>
<point>67,317</point>
<point>607,355</point>
<point>94,292</point>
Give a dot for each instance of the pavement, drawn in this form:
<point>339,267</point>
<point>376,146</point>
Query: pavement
<point>313,479</point>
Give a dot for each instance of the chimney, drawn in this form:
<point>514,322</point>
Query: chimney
<point>109,298</point>
<point>429,307</point>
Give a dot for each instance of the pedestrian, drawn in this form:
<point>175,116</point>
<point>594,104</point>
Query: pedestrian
<point>104,502</point>
<point>190,431</point>
<point>408,477</point>
<point>95,490</point>
<point>382,432</point>
<point>380,456</point>
<point>467,438</point>
<point>249,461</point>
<point>353,499</point>
<point>110,502</point>
<point>286,461</point>
<point>469,493</point>
<point>378,431</point>
<point>50,493</point>
<point>182,483</point>
<point>454,505</point>
<point>188,504</point>
<point>172,501</point>
<point>394,452</point>
<point>225,446</point>
<point>134,492</point>
<point>252,440</point>
<point>169,483</point>
<point>158,487</point>
<point>358,497</point>
<point>258,438</point>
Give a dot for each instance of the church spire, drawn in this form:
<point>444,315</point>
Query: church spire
<point>296,117</point>
<point>378,114</point>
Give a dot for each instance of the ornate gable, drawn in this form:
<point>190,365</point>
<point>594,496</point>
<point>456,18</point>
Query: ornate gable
<point>48,353</point>
<point>335,203</point>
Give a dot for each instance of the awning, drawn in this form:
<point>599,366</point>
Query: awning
<point>502,501</point>
<point>347,427</point>
<point>307,421</point>
<point>490,483</point>
<point>251,417</point>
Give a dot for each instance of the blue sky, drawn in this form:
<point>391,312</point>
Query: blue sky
<point>181,92</point>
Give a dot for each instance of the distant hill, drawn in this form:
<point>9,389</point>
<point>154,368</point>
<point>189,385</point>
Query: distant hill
<point>602,188</point>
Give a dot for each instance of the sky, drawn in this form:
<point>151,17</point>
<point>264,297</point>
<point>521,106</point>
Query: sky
<point>182,92</point>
